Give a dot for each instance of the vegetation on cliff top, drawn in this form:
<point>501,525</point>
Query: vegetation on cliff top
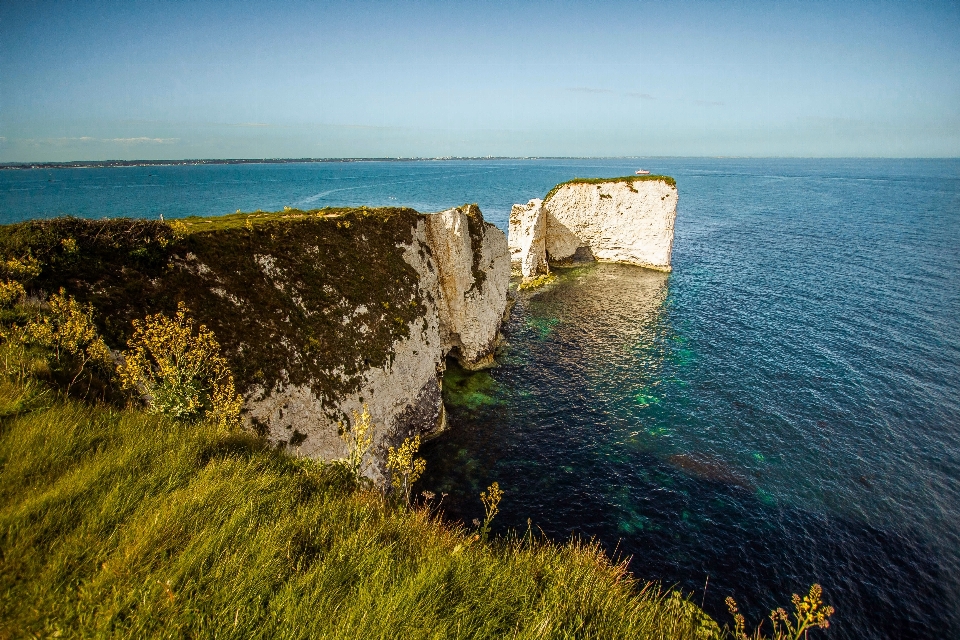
<point>294,297</point>
<point>627,179</point>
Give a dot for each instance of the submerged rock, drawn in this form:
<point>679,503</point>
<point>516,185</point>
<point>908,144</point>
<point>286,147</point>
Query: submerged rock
<point>627,220</point>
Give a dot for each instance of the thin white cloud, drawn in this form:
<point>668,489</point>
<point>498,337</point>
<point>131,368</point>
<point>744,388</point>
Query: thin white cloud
<point>142,140</point>
<point>610,92</point>
<point>588,90</point>
<point>91,140</point>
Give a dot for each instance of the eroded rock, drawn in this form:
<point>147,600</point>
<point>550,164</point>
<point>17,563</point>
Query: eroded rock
<point>627,220</point>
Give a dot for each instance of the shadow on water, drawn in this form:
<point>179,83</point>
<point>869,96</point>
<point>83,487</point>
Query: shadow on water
<point>594,425</point>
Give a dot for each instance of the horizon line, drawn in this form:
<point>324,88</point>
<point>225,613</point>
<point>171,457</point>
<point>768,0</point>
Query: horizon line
<point>67,164</point>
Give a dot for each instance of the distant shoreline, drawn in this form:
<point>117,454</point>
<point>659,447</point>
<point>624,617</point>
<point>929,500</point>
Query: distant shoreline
<point>92,164</point>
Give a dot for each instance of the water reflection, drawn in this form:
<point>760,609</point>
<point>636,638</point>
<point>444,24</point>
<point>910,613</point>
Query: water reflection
<point>612,418</point>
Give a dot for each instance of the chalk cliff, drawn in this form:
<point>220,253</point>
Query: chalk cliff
<point>463,269</point>
<point>626,220</point>
<point>318,312</point>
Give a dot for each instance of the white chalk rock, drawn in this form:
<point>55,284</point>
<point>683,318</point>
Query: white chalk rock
<point>527,238</point>
<point>619,220</point>
<point>473,273</point>
<point>464,271</point>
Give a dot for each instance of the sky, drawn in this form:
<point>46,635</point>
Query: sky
<point>272,79</point>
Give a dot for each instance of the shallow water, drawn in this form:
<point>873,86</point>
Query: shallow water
<point>783,408</point>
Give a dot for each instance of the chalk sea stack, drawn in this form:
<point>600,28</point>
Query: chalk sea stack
<point>628,220</point>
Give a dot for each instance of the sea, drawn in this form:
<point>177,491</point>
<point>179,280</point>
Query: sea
<point>782,409</point>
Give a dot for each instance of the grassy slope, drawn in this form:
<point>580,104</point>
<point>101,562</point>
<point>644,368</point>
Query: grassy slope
<point>115,522</point>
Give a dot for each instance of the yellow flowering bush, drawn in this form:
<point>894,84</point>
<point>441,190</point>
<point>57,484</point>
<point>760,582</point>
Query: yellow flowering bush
<point>405,467</point>
<point>11,291</point>
<point>71,336</point>
<point>809,613</point>
<point>491,506</point>
<point>179,229</point>
<point>16,270</point>
<point>25,267</point>
<point>359,439</point>
<point>179,372</point>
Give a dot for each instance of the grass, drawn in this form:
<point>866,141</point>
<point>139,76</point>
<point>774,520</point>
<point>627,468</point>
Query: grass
<point>118,523</point>
<point>536,281</point>
<point>627,179</point>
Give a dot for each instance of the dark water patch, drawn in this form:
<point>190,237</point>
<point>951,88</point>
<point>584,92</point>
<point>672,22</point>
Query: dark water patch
<point>701,442</point>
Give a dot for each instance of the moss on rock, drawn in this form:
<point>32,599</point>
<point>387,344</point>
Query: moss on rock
<point>294,297</point>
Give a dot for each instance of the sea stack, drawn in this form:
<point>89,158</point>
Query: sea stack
<point>627,220</point>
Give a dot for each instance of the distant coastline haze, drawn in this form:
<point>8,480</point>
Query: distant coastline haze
<point>172,80</point>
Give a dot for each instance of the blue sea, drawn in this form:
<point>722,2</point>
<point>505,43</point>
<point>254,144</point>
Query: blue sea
<point>781,409</point>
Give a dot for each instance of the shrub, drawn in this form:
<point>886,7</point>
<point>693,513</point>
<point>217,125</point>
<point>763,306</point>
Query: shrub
<point>180,373</point>
<point>358,441</point>
<point>406,468</point>
<point>11,291</point>
<point>809,613</point>
<point>491,506</point>
<point>70,335</point>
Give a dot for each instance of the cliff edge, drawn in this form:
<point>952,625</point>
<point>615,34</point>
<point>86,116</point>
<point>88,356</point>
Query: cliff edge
<point>627,219</point>
<point>318,312</point>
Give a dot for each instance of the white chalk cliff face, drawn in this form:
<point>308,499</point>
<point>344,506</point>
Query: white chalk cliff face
<point>629,221</point>
<point>464,271</point>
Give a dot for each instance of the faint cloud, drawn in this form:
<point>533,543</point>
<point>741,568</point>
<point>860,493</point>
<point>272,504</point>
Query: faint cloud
<point>90,139</point>
<point>588,90</point>
<point>141,140</point>
<point>610,92</point>
<point>707,103</point>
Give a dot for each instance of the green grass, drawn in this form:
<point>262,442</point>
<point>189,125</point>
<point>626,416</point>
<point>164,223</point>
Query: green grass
<point>116,523</point>
<point>628,179</point>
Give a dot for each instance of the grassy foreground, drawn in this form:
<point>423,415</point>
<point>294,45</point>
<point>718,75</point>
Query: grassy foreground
<point>123,524</point>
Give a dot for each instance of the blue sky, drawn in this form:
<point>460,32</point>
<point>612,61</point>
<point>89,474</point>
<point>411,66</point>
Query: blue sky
<point>166,80</point>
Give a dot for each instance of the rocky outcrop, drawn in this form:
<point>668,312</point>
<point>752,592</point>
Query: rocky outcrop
<point>463,268</point>
<point>318,313</point>
<point>473,271</point>
<point>528,238</point>
<point>627,220</point>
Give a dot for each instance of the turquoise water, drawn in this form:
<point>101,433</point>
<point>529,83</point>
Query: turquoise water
<point>783,408</point>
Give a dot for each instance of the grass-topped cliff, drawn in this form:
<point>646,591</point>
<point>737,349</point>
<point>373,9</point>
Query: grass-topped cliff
<point>141,507</point>
<point>625,179</point>
<point>280,290</point>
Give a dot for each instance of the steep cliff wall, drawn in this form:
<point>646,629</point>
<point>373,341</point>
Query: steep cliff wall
<point>617,220</point>
<point>318,312</point>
